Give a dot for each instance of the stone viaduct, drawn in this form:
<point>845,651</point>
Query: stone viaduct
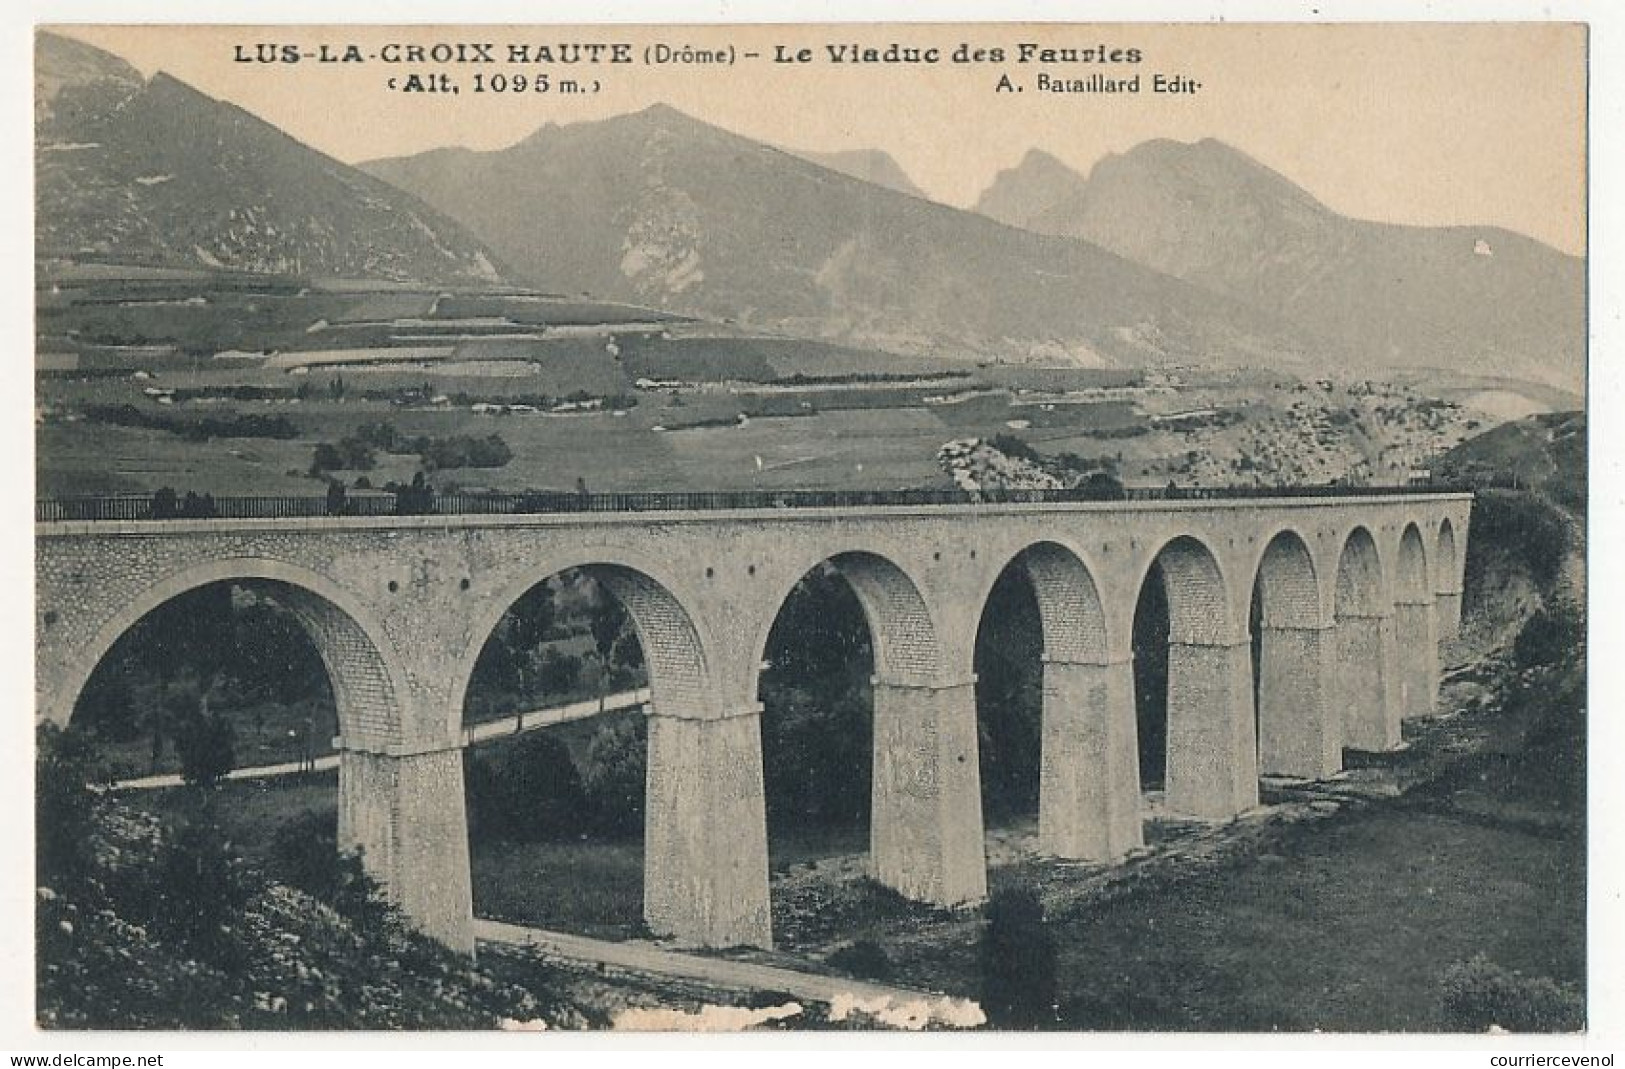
<point>1356,592</point>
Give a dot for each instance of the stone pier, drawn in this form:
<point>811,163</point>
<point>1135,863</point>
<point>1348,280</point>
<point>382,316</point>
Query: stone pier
<point>1089,776</point>
<point>925,818</point>
<point>1367,681</point>
<point>405,813</point>
<point>1212,750</point>
<point>1299,728</point>
<point>1417,638</point>
<point>1447,614</point>
<point>705,831</point>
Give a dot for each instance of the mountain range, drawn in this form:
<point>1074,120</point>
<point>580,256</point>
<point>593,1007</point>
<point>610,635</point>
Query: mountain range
<point>154,172</point>
<point>659,208</point>
<point>1463,297</point>
<point>868,164</point>
<point>1167,253</point>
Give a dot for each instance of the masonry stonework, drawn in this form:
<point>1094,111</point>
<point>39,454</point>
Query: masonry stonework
<point>705,836</point>
<point>1299,733</point>
<point>400,607</point>
<point>925,816</point>
<point>1089,773</point>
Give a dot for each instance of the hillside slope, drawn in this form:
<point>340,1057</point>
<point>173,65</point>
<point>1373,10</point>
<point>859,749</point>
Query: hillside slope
<point>156,173</point>
<point>1377,294</point>
<point>662,209</point>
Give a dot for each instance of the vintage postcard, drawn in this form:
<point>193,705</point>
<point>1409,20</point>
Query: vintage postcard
<point>940,526</point>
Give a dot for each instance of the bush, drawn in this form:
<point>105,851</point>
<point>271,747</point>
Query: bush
<point>174,931</point>
<point>1550,635</point>
<point>466,451</point>
<point>1015,448</point>
<point>1018,962</point>
<point>350,454</point>
<point>525,791</point>
<point>305,854</point>
<point>613,776</point>
<point>64,807</point>
<point>1103,486</point>
<point>1521,523</point>
<point>864,959</point>
<point>1478,994</point>
<point>198,889</point>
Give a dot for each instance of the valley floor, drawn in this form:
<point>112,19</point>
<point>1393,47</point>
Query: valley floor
<point>1332,911</point>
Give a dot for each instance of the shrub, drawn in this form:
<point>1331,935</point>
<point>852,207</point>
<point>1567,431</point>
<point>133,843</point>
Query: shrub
<point>1015,448</point>
<point>305,854</point>
<point>64,762</point>
<point>1520,523</point>
<point>1478,994</point>
<point>1103,486</point>
<point>198,889</point>
<point>526,790</point>
<point>1549,635</point>
<point>1018,962</point>
<point>350,454</point>
<point>462,451</point>
<point>864,959</point>
<point>613,776</point>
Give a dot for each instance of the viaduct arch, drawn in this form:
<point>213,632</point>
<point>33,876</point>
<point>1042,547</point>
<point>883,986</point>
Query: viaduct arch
<point>400,607</point>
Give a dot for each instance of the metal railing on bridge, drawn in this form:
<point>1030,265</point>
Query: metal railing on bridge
<point>410,502</point>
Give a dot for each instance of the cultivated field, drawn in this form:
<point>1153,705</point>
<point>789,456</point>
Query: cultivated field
<point>629,399</point>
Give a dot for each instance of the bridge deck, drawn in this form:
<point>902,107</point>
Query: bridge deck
<point>411,503</point>
<point>72,515</point>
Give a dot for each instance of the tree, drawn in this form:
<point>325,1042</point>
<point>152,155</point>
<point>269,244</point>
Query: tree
<point>1102,486</point>
<point>558,673</point>
<point>523,790</point>
<point>272,655</point>
<point>164,506</point>
<point>527,626</point>
<point>207,749</point>
<point>335,497</point>
<point>608,622</point>
<point>1009,698</point>
<point>816,724</point>
<point>626,661</point>
<point>614,774</point>
<point>169,706</point>
<point>325,458</point>
<point>415,500</point>
<point>381,434</point>
<point>1018,962</point>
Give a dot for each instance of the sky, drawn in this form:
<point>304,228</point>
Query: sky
<point>1428,124</point>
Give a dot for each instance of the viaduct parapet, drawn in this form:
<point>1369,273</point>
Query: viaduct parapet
<point>1356,593</point>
